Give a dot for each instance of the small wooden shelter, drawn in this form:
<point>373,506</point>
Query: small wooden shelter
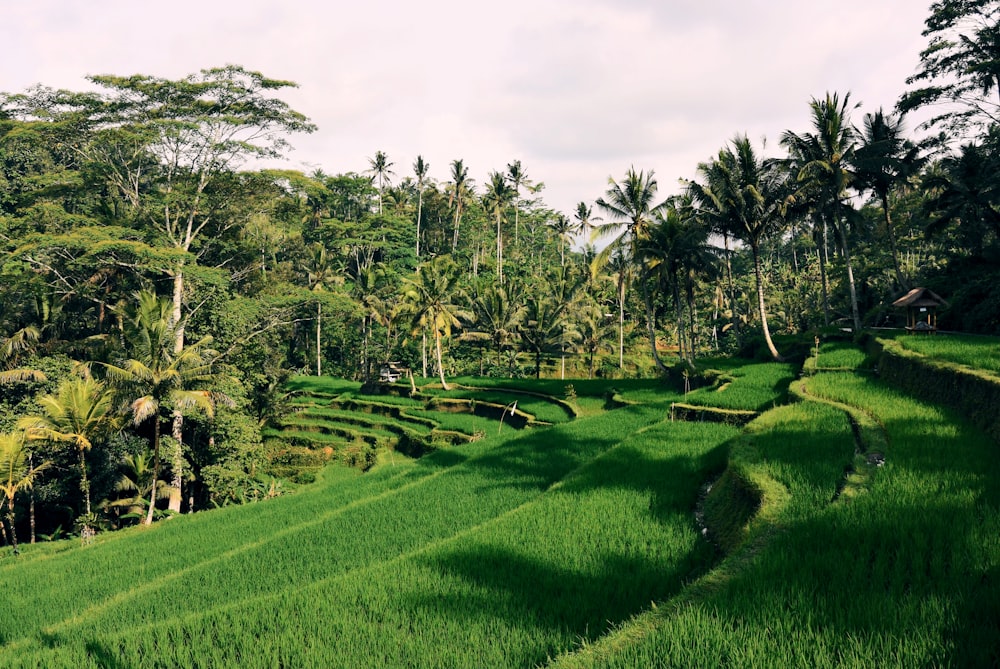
<point>921,306</point>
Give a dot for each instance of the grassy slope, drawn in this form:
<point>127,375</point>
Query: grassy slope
<point>517,549</point>
<point>902,574</point>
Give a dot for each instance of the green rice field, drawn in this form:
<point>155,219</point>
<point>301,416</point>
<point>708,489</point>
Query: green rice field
<point>849,525</point>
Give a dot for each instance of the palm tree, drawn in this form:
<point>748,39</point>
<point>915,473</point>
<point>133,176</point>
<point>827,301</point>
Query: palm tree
<point>964,190</point>
<point>380,165</point>
<point>320,274</point>
<point>882,160</point>
<point>594,330</point>
<point>675,252</point>
<point>420,169</point>
<point>498,195</point>
<point>562,227</point>
<point>497,312</point>
<point>11,349</point>
<point>748,198</point>
<point>16,474</point>
<point>630,206</point>
<point>431,297</point>
<point>79,413</point>
<point>157,376</point>
<point>518,177</point>
<point>545,328</point>
<point>822,159</point>
<point>584,221</point>
<point>458,191</point>
<point>136,480</point>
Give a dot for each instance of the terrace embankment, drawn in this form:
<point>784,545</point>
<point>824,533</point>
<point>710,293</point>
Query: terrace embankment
<point>975,393</point>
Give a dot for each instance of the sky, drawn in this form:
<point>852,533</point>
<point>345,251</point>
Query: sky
<point>578,90</point>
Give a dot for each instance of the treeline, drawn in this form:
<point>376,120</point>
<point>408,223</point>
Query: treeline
<point>158,293</point>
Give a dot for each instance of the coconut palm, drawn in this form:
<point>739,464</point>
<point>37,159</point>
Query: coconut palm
<point>630,205</point>
<point>320,273</point>
<point>562,227</point>
<point>379,169</point>
<point>157,376</point>
<point>584,221</point>
<point>822,160</point>
<point>594,330</point>
<point>747,197</point>
<point>672,256</point>
<point>136,483</point>
<point>16,474</point>
<point>458,190</point>
<point>11,349</point>
<point>79,413</point>
<point>432,301</point>
<point>498,195</point>
<point>545,328</point>
<point>518,178</point>
<point>497,312</point>
<point>420,169</point>
<point>883,160</point>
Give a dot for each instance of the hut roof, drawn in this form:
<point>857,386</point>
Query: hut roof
<point>920,297</point>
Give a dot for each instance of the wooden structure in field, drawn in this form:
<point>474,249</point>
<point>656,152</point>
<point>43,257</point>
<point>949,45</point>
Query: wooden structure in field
<point>921,306</point>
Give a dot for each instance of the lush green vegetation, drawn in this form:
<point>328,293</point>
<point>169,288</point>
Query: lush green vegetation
<point>977,352</point>
<point>179,334</point>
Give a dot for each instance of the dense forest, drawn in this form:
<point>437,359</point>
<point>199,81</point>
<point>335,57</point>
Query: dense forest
<point>160,290</point>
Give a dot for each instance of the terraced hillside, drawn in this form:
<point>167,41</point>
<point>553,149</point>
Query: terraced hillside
<point>857,526</point>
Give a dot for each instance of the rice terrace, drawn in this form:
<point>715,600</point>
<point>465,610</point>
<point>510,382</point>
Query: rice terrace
<point>255,414</point>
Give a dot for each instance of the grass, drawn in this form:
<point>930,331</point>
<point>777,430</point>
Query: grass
<point>901,575</point>
<point>973,351</point>
<point>547,546</point>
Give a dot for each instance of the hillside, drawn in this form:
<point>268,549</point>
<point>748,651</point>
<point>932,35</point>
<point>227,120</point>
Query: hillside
<point>867,545</point>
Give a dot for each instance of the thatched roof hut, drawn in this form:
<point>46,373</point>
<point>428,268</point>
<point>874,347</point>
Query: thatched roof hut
<point>921,306</point>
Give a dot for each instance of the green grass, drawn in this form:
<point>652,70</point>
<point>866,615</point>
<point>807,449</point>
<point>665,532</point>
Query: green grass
<point>547,546</point>
<point>973,351</point>
<point>749,387</point>
<point>902,575</point>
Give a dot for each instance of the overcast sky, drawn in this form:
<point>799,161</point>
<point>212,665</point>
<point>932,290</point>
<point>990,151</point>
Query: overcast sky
<point>578,90</point>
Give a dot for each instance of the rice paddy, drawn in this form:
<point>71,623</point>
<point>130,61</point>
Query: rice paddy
<point>574,544</point>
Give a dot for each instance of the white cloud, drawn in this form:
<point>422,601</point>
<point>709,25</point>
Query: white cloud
<point>578,91</point>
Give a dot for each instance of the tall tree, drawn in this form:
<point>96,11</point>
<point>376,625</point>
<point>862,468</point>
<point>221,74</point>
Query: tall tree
<point>822,159</point>
<point>156,376</point>
<point>518,178</point>
<point>320,274</point>
<point>79,413</point>
<point>884,159</point>
<point>16,474</point>
<point>458,190</point>
<point>585,221</point>
<point>960,67</point>
<point>630,204</point>
<point>379,169</point>
<point>420,168</point>
<point>499,194</point>
<point>432,299</point>
<point>747,196</point>
<point>676,249</point>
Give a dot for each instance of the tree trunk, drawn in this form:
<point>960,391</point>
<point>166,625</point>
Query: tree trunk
<point>732,293</point>
<point>84,486</point>
<point>319,331</point>
<point>680,321</point>
<point>900,279</point>
<point>760,304</point>
<point>651,328</point>
<point>156,469</point>
<point>621,322</point>
<point>178,419</point>
<point>437,346</point>
<point>10,521</point>
<point>177,466</point>
<point>856,316</point>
